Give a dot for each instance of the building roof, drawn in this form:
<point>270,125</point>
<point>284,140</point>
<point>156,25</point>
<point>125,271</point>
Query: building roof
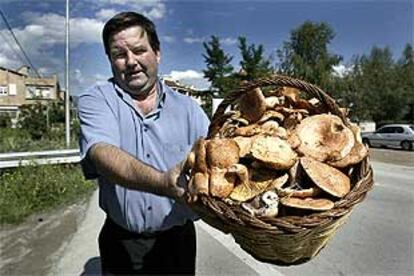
<point>11,71</point>
<point>31,80</point>
<point>182,87</point>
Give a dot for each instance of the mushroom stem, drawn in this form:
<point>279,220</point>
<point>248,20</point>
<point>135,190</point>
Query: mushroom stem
<point>310,192</point>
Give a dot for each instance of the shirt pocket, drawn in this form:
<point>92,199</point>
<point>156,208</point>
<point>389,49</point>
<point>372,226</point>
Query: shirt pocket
<point>174,153</point>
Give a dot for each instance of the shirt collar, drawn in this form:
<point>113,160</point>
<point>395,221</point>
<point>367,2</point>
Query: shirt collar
<point>161,95</point>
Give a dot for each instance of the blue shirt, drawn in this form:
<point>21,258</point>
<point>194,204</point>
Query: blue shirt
<point>161,139</point>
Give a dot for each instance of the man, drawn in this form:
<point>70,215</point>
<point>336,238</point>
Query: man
<point>134,132</point>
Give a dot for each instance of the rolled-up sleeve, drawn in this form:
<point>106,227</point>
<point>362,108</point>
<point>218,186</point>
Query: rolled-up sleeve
<point>98,124</point>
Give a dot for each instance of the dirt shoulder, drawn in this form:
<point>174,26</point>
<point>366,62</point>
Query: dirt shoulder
<point>31,247</point>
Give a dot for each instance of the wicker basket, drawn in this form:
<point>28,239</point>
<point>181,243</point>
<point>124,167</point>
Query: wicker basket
<point>290,239</point>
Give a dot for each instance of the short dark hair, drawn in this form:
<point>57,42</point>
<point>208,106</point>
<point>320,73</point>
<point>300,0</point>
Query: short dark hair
<point>125,20</point>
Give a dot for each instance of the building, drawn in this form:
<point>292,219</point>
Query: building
<point>200,96</point>
<point>18,88</point>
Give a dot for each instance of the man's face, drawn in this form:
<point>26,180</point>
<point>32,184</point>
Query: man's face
<point>134,62</point>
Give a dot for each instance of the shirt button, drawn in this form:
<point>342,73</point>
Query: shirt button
<point>145,129</point>
<point>149,208</point>
<point>148,156</point>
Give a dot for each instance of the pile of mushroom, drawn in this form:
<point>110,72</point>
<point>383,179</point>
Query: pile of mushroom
<point>277,154</point>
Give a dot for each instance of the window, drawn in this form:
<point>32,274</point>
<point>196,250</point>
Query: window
<point>399,130</point>
<point>45,92</point>
<point>386,130</point>
<point>3,90</point>
<point>38,92</point>
<point>30,92</point>
<point>12,89</point>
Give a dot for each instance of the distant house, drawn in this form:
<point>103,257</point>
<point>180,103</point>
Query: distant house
<point>200,96</point>
<point>18,88</point>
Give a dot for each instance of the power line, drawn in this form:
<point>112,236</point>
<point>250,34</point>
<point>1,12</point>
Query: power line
<point>12,48</point>
<point>18,43</point>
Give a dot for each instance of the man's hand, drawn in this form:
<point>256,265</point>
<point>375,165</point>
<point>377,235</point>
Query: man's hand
<point>175,182</point>
<point>196,161</point>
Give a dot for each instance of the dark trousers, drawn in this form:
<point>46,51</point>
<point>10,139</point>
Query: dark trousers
<point>170,252</point>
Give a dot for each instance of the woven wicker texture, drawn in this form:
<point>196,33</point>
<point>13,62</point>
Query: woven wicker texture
<point>283,240</point>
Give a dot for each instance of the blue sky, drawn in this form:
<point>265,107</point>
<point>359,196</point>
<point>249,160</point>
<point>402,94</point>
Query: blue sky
<point>184,25</point>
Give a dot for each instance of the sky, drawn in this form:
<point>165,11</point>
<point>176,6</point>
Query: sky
<point>183,26</point>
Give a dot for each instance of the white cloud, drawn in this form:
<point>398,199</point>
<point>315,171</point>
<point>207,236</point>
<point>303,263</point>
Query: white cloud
<point>190,77</point>
<point>8,60</point>
<point>34,42</point>
<point>78,74</point>
<point>8,50</point>
<point>192,40</point>
<point>168,38</point>
<point>43,31</point>
<point>154,9</point>
<point>188,74</point>
<point>82,80</point>
<point>45,71</point>
<point>105,14</point>
<point>46,30</point>
<point>156,12</point>
<point>40,36</point>
<point>85,30</point>
<point>341,70</point>
<point>100,79</point>
<point>228,41</point>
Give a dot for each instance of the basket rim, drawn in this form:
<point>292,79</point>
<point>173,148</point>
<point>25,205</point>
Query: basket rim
<point>328,103</point>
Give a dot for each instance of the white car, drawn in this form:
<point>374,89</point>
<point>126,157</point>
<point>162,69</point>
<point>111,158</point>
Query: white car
<point>396,136</point>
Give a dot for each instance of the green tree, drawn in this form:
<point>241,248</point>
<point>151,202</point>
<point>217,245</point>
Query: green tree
<point>306,55</point>
<point>379,95</point>
<point>342,89</point>
<point>405,72</point>
<point>33,119</point>
<point>218,67</point>
<point>253,61</point>
<point>56,112</point>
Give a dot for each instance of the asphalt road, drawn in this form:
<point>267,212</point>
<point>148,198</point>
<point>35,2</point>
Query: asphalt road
<point>377,239</point>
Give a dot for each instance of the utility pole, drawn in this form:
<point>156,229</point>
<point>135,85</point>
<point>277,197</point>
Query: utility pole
<point>67,98</point>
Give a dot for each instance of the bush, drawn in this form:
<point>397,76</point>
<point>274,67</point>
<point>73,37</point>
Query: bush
<point>30,189</point>
<point>56,112</point>
<point>39,118</point>
<point>13,138</point>
<point>19,140</point>
<point>39,127</point>
<point>33,119</point>
<point>5,120</point>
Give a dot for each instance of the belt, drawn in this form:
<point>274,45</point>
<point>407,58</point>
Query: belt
<point>121,231</point>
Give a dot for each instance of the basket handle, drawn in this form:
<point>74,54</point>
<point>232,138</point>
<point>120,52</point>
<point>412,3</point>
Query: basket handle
<point>277,80</point>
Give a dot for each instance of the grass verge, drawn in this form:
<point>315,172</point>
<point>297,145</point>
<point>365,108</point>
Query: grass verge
<point>19,140</point>
<point>30,189</point>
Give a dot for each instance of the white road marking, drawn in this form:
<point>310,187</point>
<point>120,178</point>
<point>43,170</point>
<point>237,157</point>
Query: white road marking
<point>228,242</point>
